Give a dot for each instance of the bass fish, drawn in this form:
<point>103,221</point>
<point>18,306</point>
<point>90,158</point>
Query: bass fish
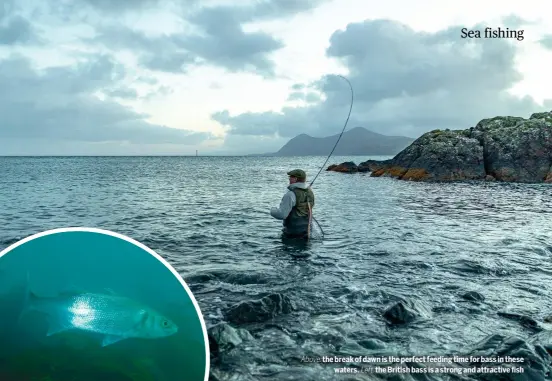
<point>114,317</point>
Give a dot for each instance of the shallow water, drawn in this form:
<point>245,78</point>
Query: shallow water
<point>384,239</point>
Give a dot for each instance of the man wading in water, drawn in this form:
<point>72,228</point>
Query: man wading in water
<point>296,207</point>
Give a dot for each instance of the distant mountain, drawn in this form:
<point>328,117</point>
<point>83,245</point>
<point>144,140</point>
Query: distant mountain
<point>356,141</point>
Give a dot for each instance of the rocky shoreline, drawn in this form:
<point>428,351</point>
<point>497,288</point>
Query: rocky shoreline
<point>504,148</point>
<point>512,356</point>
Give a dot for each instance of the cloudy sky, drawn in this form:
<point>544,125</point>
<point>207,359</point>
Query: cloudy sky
<point>172,77</point>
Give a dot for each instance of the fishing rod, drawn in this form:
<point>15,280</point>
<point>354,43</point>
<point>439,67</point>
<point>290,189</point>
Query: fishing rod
<point>342,131</point>
<point>335,145</point>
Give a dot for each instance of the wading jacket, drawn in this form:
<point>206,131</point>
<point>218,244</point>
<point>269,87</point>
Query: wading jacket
<point>294,209</point>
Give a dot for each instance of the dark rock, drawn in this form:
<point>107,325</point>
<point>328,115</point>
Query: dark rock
<point>543,338</point>
<point>516,149</point>
<point>226,337</point>
<point>371,165</point>
<point>213,375</point>
<point>437,155</point>
<point>350,167</point>
<point>504,148</point>
<point>525,321</point>
<point>473,296</point>
<point>535,364</point>
<point>347,167</point>
<point>261,310</point>
<point>542,115</point>
<point>405,311</point>
<point>372,344</point>
<point>213,346</point>
<point>230,375</point>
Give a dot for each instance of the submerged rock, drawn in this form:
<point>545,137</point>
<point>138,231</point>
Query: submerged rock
<point>526,321</point>
<point>473,296</point>
<point>261,310</point>
<point>233,375</point>
<point>227,337</point>
<point>533,358</point>
<point>372,344</point>
<point>405,311</point>
<point>504,148</point>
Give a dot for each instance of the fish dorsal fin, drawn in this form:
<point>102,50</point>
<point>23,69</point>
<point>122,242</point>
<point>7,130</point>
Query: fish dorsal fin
<point>72,290</point>
<point>111,339</point>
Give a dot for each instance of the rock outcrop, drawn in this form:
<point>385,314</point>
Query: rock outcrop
<point>504,148</point>
<point>347,167</point>
<point>261,310</point>
<point>405,311</point>
<point>350,167</point>
<point>535,358</point>
<point>223,338</point>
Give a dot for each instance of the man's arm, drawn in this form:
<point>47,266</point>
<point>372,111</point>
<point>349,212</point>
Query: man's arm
<point>287,203</point>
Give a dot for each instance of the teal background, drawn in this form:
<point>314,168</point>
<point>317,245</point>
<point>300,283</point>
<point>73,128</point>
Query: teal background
<point>94,262</point>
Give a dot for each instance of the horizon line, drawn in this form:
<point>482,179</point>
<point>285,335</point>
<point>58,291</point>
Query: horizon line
<point>178,155</point>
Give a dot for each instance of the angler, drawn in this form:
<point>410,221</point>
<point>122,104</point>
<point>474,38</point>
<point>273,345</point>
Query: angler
<point>296,207</point>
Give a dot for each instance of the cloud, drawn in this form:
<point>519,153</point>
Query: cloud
<point>236,145</point>
<point>223,41</point>
<point>225,44</point>
<point>546,41</point>
<point>159,91</point>
<point>148,80</point>
<point>116,7</point>
<point>158,53</point>
<point>14,28</point>
<point>166,61</point>
<point>405,83</point>
<point>296,96</point>
<point>123,93</point>
<point>60,103</point>
<point>514,21</point>
<point>219,39</point>
<point>309,97</point>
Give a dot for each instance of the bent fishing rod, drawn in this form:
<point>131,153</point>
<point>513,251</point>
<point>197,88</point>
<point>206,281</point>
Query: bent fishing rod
<point>333,149</point>
<point>342,131</point>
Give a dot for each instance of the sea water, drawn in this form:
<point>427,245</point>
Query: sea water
<point>384,239</point>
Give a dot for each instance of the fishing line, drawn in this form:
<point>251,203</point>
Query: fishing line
<point>335,145</point>
<point>342,131</point>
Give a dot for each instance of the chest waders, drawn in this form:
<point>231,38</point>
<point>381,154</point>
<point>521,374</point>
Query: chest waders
<point>297,224</point>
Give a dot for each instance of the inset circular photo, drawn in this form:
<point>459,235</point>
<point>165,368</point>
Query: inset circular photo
<point>89,304</point>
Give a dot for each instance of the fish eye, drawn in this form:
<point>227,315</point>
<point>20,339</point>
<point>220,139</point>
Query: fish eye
<point>165,323</point>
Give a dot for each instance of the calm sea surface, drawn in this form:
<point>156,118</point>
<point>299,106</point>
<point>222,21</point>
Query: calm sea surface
<point>384,239</point>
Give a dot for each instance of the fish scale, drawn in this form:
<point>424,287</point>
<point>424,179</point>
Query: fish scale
<point>104,314</point>
<point>115,317</point>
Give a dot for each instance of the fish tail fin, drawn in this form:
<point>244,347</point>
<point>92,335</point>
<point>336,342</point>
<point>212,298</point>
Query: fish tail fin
<point>28,298</point>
